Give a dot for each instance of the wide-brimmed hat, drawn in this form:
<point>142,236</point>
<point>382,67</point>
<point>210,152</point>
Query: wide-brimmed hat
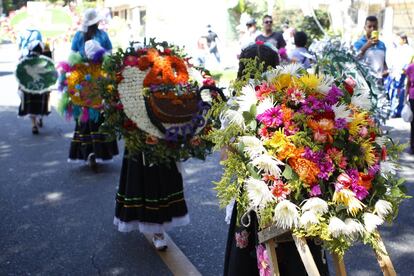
<point>91,17</point>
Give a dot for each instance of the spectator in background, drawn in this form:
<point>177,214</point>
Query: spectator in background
<point>275,39</point>
<point>300,54</point>
<point>288,36</point>
<point>409,95</point>
<point>212,39</point>
<point>372,50</point>
<point>249,37</point>
<point>400,61</point>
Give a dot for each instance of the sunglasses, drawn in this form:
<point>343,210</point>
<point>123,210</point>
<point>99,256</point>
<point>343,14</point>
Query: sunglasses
<point>268,22</point>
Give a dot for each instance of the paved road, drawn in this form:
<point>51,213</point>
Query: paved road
<point>57,217</point>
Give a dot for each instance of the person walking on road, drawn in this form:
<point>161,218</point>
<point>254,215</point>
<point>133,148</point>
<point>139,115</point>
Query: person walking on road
<point>34,105</point>
<point>88,143</point>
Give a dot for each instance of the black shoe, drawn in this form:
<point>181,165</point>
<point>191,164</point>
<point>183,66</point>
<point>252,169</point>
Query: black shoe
<point>40,123</point>
<point>35,130</point>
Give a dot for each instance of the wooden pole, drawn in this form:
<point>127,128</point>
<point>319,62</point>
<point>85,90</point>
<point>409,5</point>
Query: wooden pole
<point>306,256</point>
<point>384,260</point>
<point>339,265</point>
<point>271,251</point>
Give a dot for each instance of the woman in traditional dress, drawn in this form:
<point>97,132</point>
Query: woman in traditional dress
<point>241,249</point>
<point>34,105</point>
<point>88,143</point>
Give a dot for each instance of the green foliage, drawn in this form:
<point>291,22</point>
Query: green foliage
<point>309,25</point>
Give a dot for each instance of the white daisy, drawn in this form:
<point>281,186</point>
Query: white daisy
<point>268,164</point>
<point>383,208</point>
<point>354,206</point>
<point>316,205</point>
<point>325,84</point>
<point>232,117</point>
<point>252,146</point>
<point>264,105</point>
<point>354,227</point>
<point>307,219</point>
<point>342,111</point>
<point>258,193</point>
<point>336,227</point>
<point>371,221</point>
<point>286,215</point>
<point>388,167</point>
<point>362,101</point>
<point>247,98</point>
<point>291,68</point>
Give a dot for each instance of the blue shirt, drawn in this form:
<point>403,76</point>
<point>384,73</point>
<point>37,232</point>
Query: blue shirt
<point>374,56</point>
<point>363,40</point>
<point>78,42</point>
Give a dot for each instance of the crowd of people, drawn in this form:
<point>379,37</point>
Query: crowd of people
<point>150,197</point>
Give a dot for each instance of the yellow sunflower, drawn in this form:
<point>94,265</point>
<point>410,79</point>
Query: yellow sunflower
<point>368,152</point>
<point>283,81</point>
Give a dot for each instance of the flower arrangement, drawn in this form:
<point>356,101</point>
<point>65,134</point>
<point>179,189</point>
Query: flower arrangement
<point>152,100</point>
<point>307,156</point>
<point>78,83</point>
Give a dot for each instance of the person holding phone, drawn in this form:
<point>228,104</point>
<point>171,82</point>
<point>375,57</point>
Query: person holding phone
<point>371,49</point>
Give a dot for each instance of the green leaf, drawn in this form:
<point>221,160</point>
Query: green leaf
<point>287,172</point>
<point>247,116</point>
<point>253,124</point>
<point>253,110</point>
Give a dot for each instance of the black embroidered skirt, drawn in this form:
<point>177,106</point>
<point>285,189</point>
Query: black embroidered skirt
<point>150,198</point>
<point>34,104</point>
<point>88,139</point>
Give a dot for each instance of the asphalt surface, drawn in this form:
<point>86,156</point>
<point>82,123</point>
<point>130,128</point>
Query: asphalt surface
<point>56,217</point>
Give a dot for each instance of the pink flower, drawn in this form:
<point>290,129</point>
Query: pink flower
<point>242,239</point>
<point>363,132</point>
<point>263,261</point>
<point>273,117</point>
<point>130,61</point>
<point>315,190</point>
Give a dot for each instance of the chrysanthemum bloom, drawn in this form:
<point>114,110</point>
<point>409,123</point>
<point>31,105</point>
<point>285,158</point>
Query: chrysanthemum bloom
<point>307,170</point>
<point>252,146</point>
<point>308,219</point>
<point>283,81</point>
<point>233,117</point>
<point>371,221</point>
<point>272,117</point>
<point>264,105</point>
<point>354,228</point>
<point>354,206</point>
<point>268,164</point>
<point>286,215</point>
<point>316,205</point>
<point>336,227</point>
<point>247,98</point>
<point>258,193</point>
<point>310,82</point>
<point>264,90</point>
<point>383,208</point>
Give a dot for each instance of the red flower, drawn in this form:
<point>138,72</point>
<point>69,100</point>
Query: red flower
<point>209,81</point>
<point>167,51</point>
<point>129,125</point>
<point>119,106</point>
<point>130,60</point>
<point>383,153</point>
<point>151,140</point>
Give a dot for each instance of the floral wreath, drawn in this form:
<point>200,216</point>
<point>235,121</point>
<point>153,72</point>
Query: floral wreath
<point>307,156</point>
<point>153,100</point>
<point>78,82</point>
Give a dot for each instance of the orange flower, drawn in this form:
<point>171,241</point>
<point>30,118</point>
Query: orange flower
<point>306,169</point>
<point>288,150</point>
<point>322,129</point>
<point>195,141</point>
<point>151,140</point>
<point>287,114</point>
<point>365,181</point>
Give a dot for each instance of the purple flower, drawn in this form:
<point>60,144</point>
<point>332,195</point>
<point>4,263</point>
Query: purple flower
<point>360,191</point>
<point>324,162</point>
<point>273,117</point>
<point>340,123</point>
<point>373,169</point>
<point>263,261</point>
<point>315,191</point>
<point>333,95</point>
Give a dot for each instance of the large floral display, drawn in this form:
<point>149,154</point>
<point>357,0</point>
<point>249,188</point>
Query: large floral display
<point>306,155</point>
<point>153,100</point>
<point>78,83</point>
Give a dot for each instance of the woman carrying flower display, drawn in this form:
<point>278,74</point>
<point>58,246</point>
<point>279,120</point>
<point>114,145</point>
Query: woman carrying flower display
<point>35,74</point>
<point>154,103</point>
<point>244,255</point>
<point>307,159</point>
<point>81,99</point>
